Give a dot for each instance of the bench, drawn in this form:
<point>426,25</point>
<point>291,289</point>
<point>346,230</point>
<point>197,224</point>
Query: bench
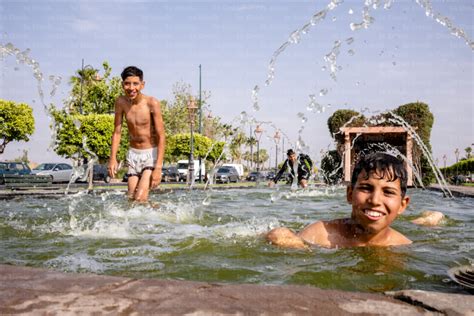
<point>26,181</point>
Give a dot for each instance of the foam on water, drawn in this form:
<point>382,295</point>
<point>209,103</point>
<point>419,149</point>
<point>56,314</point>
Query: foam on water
<point>77,262</point>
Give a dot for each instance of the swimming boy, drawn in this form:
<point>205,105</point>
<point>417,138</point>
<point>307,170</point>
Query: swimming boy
<point>147,135</point>
<point>377,194</point>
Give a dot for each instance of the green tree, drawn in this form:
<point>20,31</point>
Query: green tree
<point>348,118</point>
<point>419,116</point>
<point>93,96</point>
<point>178,147</point>
<point>175,113</point>
<point>468,151</point>
<point>96,94</point>
<point>96,129</point>
<point>262,156</point>
<point>236,144</point>
<point>16,123</point>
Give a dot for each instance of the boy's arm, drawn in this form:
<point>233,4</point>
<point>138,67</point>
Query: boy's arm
<point>113,165</point>
<point>160,140</point>
<point>280,172</point>
<point>284,237</point>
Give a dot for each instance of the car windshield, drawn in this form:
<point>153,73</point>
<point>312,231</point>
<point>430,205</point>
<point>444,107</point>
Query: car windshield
<point>223,170</point>
<point>182,166</point>
<point>45,166</point>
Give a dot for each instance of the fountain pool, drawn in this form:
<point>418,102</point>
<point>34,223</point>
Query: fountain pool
<point>216,236</point>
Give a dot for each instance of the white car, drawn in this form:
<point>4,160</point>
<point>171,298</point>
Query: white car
<point>59,172</point>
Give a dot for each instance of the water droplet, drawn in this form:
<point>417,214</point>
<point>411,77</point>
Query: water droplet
<point>350,52</point>
<point>295,37</point>
<point>302,117</point>
<point>357,83</point>
<point>323,92</point>
<point>323,68</point>
<point>394,63</point>
<point>349,40</point>
<point>334,19</point>
<point>351,11</point>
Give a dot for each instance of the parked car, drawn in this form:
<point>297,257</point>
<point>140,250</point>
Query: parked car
<point>271,175</point>
<point>13,168</point>
<point>170,174</point>
<point>226,175</point>
<point>256,176</point>
<point>59,172</point>
<point>101,173</point>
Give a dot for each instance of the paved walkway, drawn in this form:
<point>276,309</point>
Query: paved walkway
<point>43,292</point>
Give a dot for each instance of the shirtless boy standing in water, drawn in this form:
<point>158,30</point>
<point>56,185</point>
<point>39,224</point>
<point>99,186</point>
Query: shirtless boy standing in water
<point>147,136</point>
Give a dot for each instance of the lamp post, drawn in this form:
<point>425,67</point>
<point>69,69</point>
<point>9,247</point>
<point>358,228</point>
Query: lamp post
<point>251,147</point>
<point>276,137</point>
<point>258,133</point>
<point>456,152</point>
<point>444,161</point>
<point>191,112</point>
<point>200,121</point>
<point>283,149</point>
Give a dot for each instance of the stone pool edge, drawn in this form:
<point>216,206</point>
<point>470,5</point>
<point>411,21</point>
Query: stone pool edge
<point>26,290</point>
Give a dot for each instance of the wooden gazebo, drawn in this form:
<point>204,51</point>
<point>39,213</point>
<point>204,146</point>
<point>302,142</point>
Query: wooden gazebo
<point>355,138</point>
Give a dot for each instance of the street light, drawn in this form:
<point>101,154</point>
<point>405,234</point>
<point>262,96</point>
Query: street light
<point>456,152</point>
<point>200,121</point>
<point>258,133</point>
<point>444,160</point>
<point>276,137</point>
<point>192,107</point>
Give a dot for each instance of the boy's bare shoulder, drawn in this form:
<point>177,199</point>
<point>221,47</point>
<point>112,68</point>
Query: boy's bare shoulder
<point>316,234</point>
<point>122,100</point>
<point>397,239</point>
<point>153,102</point>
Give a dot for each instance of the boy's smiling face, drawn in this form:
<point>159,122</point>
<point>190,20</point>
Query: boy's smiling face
<point>132,86</point>
<point>376,202</point>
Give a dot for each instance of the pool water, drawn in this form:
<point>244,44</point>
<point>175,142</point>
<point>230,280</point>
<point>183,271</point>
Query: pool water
<point>217,236</point>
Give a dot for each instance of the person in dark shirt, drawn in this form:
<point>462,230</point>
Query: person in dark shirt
<point>302,163</point>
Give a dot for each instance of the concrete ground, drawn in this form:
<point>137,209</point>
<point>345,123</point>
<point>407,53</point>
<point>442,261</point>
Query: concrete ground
<point>33,291</point>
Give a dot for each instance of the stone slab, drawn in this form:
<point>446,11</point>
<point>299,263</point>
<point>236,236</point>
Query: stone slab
<point>452,304</point>
<point>35,291</point>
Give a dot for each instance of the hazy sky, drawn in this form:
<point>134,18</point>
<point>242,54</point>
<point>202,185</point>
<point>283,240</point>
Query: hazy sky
<point>401,57</point>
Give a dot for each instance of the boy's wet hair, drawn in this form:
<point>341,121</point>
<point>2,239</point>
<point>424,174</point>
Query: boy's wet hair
<point>132,71</point>
<point>290,152</point>
<point>384,165</point>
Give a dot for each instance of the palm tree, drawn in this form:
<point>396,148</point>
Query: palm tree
<point>250,141</point>
<point>235,146</point>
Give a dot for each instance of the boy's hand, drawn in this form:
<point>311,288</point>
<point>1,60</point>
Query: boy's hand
<point>271,184</point>
<point>284,237</point>
<point>112,168</point>
<point>155,178</point>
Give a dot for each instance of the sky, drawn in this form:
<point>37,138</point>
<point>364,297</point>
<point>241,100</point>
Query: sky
<point>404,55</point>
